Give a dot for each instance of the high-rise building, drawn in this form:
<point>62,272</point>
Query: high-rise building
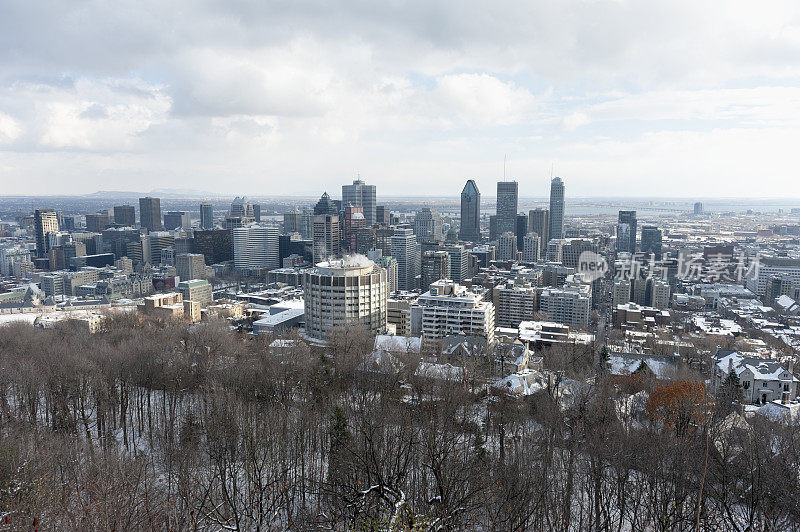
<point>539,223</point>
<point>345,291</point>
<point>390,265</point>
<point>507,202</point>
<point>190,266</point>
<point>572,248</point>
<point>494,230</point>
<point>428,225</point>
<point>216,245</point>
<point>651,241</point>
<point>459,262</point>
<point>176,220</point>
<point>435,266</point>
<point>570,305</point>
<point>383,216</point>
<point>621,293</point>
<point>206,215</point>
<point>255,247</point>
<point>159,240</point>
<point>507,246</point>
<point>626,231</point>
<point>698,207</point>
<point>150,213</point>
<point>531,247</point>
<point>193,289</point>
<point>45,222</point>
<point>362,195</point>
<point>325,205</point>
<point>402,249</point>
<point>125,215</point>
<point>257,212</point>
<point>353,221</point>
<point>515,303</point>
<point>326,237</point>
<point>242,208</point>
<point>448,308</point>
<point>95,223</point>
<point>470,213</point>
<point>556,209</point>
<point>293,222</point>
<point>521,229</point>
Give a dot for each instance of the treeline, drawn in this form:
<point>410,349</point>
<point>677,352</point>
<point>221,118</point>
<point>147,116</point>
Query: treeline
<point>148,425</point>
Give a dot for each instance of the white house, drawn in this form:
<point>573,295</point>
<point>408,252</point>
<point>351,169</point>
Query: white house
<point>762,380</point>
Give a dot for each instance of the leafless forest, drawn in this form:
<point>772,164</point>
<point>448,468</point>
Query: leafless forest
<point>146,425</point>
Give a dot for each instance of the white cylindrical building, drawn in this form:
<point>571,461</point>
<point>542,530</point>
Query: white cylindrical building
<point>343,292</point>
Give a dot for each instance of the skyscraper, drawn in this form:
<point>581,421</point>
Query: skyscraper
<point>325,205</point>
<point>470,213</point>
<point>539,223</point>
<point>362,195</point>
<point>626,231</point>
<point>698,207</point>
<point>435,266</point>
<point>326,237</point>
<point>125,215</point>
<point>651,241</point>
<point>176,220</point>
<point>403,252</point>
<point>150,213</point>
<point>45,221</point>
<point>206,215</point>
<point>293,222</point>
<point>531,248</point>
<point>521,229</point>
<point>507,201</point>
<point>428,225</point>
<point>556,209</point>
<point>507,246</point>
<point>255,247</point>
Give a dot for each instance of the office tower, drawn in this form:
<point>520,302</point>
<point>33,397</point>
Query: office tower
<point>626,231</point>
<point>365,240</point>
<point>206,215</point>
<point>402,249</point>
<point>383,216</point>
<point>459,262</point>
<point>72,250</point>
<point>125,215</point>
<point>435,266</point>
<point>255,247</point>
<point>651,241</point>
<point>570,305</point>
<point>325,205</point>
<point>69,223</point>
<point>159,240</point>
<point>353,221</point>
<point>531,247</point>
<point>521,229</point>
<point>390,265</point>
<point>448,308</point>
<point>306,222</point>
<point>554,249</point>
<point>326,237</point>
<point>428,225</point>
<point>493,228</point>
<point>95,223</point>
<point>783,268</point>
<point>507,246</point>
<point>293,222</point>
<point>539,223</point>
<point>176,220</point>
<point>257,212</point>
<point>361,195</point>
<point>190,266</point>
<point>194,289</point>
<point>45,222</point>
<point>470,213</point>
<point>216,245</point>
<point>507,200</point>
<point>150,213</point>
<point>556,209</point>
<point>658,293</point>
<point>345,292</point>
<point>242,208</point>
<point>698,207</point>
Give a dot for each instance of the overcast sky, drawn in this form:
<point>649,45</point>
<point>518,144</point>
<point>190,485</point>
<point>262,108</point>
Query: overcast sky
<point>636,98</point>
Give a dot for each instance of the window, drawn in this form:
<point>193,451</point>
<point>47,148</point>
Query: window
<point>746,385</point>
